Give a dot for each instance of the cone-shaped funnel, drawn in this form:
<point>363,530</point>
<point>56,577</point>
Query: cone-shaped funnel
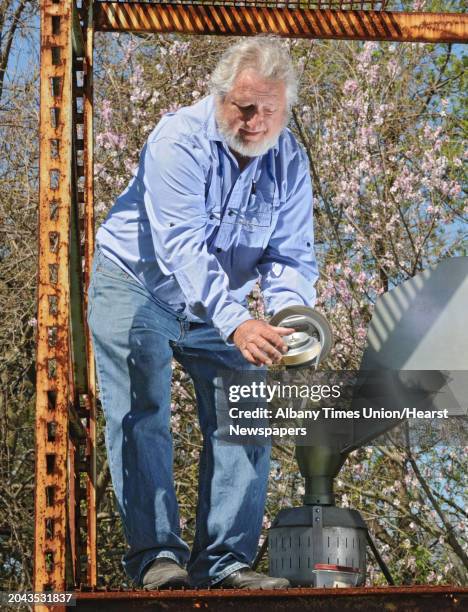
<point>318,466</point>
<point>416,351</point>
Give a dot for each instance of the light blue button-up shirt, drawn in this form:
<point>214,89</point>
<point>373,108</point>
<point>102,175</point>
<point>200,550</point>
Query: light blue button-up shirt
<point>197,232</point>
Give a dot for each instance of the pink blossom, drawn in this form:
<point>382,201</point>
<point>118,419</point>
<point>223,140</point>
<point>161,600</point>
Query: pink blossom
<point>106,110</point>
<point>350,86</point>
<point>111,140</point>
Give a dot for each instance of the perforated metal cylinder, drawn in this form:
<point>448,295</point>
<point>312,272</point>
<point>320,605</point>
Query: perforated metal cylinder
<point>302,537</point>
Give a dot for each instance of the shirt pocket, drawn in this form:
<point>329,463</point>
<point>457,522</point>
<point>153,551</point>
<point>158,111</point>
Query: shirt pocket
<point>250,227</point>
<point>258,212</point>
<point>259,217</point>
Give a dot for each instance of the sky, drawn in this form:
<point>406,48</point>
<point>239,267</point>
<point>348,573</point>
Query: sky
<point>26,49</point>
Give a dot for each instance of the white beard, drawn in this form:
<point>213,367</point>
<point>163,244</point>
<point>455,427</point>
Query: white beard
<point>236,144</point>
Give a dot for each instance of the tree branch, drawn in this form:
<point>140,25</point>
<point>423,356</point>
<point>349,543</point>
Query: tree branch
<point>451,539</point>
<point>5,52</point>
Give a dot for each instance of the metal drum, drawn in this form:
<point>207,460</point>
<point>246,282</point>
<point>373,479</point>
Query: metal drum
<point>301,537</point>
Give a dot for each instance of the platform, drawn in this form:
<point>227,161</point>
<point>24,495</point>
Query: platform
<point>415,598</point>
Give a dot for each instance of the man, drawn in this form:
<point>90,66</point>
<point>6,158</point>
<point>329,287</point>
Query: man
<point>222,195</point>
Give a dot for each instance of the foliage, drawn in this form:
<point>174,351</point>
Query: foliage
<point>18,259</point>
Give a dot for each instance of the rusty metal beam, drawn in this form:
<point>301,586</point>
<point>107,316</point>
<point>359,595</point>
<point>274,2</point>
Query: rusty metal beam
<point>82,465</point>
<point>76,428</point>
<point>77,33</point>
<point>72,547</point>
<point>289,22</point>
<point>79,362</point>
<point>90,400</point>
<point>65,446</point>
<point>78,335</point>
<point>78,366</point>
<point>417,599</point>
<point>54,384</point>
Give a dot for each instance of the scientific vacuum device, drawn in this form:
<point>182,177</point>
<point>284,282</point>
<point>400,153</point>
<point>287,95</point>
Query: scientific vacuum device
<point>418,336</point>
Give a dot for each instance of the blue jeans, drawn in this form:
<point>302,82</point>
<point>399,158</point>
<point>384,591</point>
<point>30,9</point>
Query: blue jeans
<point>135,338</point>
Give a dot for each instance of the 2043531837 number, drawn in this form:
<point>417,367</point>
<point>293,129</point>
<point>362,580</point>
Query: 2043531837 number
<point>20,598</point>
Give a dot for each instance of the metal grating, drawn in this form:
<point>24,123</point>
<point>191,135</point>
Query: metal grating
<point>248,18</point>
<point>339,5</point>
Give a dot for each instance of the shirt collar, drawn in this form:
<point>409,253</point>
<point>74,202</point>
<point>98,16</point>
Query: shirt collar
<point>212,131</point>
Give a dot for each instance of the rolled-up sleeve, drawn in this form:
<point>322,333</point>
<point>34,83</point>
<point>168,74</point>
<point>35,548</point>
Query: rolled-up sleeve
<point>288,267</point>
<point>175,204</point>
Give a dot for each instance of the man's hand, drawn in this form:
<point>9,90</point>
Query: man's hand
<point>261,343</point>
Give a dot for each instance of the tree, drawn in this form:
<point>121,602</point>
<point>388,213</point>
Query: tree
<point>18,265</point>
<point>14,17</point>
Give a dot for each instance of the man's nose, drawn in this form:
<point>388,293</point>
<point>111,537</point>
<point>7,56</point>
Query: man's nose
<point>255,120</point>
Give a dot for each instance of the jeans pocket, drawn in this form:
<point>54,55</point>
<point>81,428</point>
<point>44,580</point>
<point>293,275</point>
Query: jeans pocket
<point>106,266</point>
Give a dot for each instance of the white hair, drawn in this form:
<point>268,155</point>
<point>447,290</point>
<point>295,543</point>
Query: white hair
<point>264,54</point>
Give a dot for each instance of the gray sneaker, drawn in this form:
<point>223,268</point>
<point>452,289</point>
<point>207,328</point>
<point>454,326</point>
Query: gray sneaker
<point>165,573</point>
<point>245,578</point>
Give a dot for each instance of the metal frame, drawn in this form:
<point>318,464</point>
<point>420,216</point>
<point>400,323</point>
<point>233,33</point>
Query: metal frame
<point>65,517</point>
<point>65,510</point>
<point>288,20</point>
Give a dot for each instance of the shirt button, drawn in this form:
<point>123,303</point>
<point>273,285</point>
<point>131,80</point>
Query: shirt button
<point>218,250</point>
<point>230,213</point>
<point>211,216</point>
